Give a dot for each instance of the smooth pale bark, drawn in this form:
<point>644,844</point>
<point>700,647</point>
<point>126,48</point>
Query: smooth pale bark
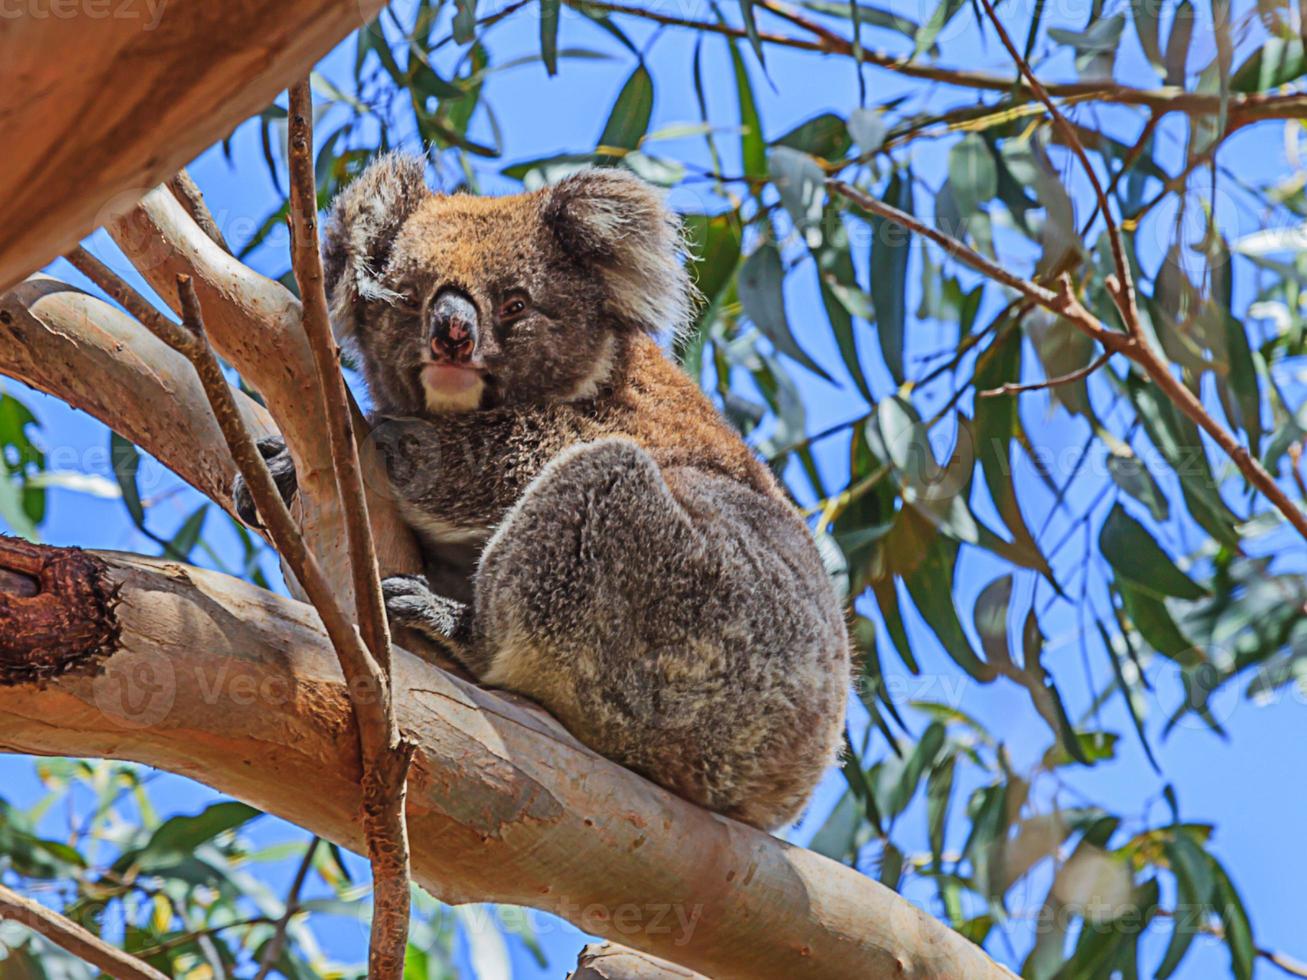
<point>95,357</point>
<point>103,101</point>
<point>255,323</point>
<point>212,678</point>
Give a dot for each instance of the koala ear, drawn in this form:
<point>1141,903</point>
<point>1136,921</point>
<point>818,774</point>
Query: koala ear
<point>365,218</point>
<point>616,222</point>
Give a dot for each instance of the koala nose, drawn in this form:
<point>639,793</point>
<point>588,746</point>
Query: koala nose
<point>453,327</point>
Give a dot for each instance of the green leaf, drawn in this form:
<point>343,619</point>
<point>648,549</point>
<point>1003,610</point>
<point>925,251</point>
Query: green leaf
<point>971,174</point>
<point>837,837</point>
<point>1131,475</point>
<point>715,246</point>
<point>1177,439</point>
<point>990,617</point>
<point>995,426</point>
<point>825,136</point>
<point>1238,930</point>
<point>751,29</point>
<point>865,14</point>
<point>465,21</point>
<point>125,460</point>
<point>753,149</point>
<point>1194,887</point>
<point>841,296</point>
<point>930,583</point>
<point>178,837</point>
<point>944,12</point>
<point>1119,673</point>
<point>867,127</point>
<point>1177,44</point>
<point>1095,47</point>
<point>1155,624</point>
<point>549,35</point>
<point>629,119</point>
<point>939,794</point>
<point>890,251</point>
<point>918,763</point>
<point>188,535</point>
<point>763,298</point>
<point>1137,557</point>
<point>801,183</point>
<point>1277,62</point>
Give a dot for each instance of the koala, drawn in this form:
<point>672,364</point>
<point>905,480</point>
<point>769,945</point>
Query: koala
<point>596,537</point>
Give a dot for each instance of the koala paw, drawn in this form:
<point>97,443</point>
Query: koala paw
<point>277,456</point>
<point>411,604</point>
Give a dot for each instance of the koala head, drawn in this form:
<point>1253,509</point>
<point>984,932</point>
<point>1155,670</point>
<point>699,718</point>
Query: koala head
<point>457,302</point>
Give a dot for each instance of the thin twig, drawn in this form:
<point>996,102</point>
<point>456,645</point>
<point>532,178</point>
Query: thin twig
<point>1064,303</point>
<point>1295,466</point>
<point>188,193</point>
<point>1123,290</point>
<point>388,846</point>
<point>1243,109</point>
<point>197,934</point>
<point>1285,963</point>
<point>1011,388</point>
<point>68,935</point>
<point>307,263</point>
<point>272,951</point>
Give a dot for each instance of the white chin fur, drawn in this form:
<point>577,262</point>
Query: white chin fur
<point>463,400</point>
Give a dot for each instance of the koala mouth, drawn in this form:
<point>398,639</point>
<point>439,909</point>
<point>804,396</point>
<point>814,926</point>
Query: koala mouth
<point>452,387</point>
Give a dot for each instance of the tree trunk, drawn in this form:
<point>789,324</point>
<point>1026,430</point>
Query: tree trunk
<point>103,102</point>
<point>204,675</point>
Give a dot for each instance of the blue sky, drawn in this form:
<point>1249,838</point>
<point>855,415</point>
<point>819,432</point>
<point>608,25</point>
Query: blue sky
<point>1253,787</point>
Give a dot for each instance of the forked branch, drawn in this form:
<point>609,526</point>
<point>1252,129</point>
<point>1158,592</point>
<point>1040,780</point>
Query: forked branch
<point>383,801</point>
<point>1067,305</point>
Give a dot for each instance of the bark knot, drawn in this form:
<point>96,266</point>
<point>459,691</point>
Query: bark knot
<point>56,612</point>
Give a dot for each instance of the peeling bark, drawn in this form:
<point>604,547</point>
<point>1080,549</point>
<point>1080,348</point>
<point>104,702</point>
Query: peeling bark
<point>217,680</point>
<point>56,612</point>
<point>604,961</point>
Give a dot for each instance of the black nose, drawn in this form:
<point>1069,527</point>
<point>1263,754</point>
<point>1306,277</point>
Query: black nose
<point>453,326</point>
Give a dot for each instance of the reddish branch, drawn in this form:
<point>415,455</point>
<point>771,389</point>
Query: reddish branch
<point>307,263</point>
<point>1065,304</point>
<point>388,843</point>
<point>1243,109</point>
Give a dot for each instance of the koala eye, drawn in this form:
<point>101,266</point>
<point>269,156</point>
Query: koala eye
<point>512,308</point>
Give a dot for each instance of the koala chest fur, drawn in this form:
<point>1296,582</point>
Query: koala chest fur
<point>599,539</point>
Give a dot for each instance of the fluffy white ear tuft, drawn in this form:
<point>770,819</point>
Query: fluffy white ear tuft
<point>365,218</point>
<point>621,225</point>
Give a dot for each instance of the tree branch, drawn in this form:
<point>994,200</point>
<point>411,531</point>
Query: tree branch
<point>192,199</point>
<point>606,961</point>
<point>156,84</point>
<point>1123,293</point>
<point>306,259</point>
<point>255,324</point>
<point>385,754</point>
<point>68,935</point>
<point>278,940</point>
<point>384,806</point>
<point>1243,109</point>
<point>210,677</point>
<point>1065,304</point>
<point>1012,388</point>
<point>96,358</point>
